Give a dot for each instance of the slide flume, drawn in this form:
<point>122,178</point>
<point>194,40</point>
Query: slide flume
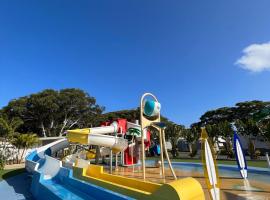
<point>96,136</point>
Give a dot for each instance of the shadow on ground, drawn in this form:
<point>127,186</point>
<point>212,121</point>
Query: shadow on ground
<point>229,195</point>
<point>13,173</point>
<point>16,187</point>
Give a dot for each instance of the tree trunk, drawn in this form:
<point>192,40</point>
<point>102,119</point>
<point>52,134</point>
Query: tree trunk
<point>251,148</point>
<point>75,122</point>
<point>52,123</point>
<point>43,130</point>
<point>190,147</point>
<point>228,147</point>
<point>17,156</point>
<point>63,127</point>
<point>22,155</point>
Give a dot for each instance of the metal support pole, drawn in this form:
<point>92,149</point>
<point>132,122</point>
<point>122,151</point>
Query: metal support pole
<point>116,161</point>
<point>144,124</point>
<point>143,154</point>
<point>132,152</point>
<point>111,155</point>
<point>121,158</point>
<point>166,153</point>
<point>161,154</point>
<point>139,158</point>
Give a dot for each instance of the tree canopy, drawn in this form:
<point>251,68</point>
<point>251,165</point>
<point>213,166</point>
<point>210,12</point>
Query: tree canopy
<point>51,112</point>
<point>241,111</point>
<point>251,118</point>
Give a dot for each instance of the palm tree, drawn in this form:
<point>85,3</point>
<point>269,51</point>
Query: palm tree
<point>7,131</point>
<point>177,133</point>
<point>24,142</point>
<point>8,127</point>
<point>192,136</point>
<point>250,129</point>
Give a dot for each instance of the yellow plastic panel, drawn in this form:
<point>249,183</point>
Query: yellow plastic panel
<point>78,135</point>
<point>182,189</point>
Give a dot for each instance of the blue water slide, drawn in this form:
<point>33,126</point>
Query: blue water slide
<point>51,181</point>
<point>64,186</point>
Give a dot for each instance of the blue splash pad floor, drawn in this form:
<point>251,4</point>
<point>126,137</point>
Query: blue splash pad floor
<point>16,188</point>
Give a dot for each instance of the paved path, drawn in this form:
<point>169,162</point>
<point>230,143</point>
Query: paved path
<point>16,188</point>
<point>15,166</point>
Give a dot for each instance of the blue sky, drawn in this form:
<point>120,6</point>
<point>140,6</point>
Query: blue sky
<point>188,53</point>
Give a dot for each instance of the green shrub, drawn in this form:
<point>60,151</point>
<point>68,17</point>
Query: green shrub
<point>2,162</point>
<point>251,149</point>
<point>257,154</point>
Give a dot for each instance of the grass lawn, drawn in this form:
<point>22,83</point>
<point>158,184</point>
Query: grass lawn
<point>4,174</point>
<point>251,163</point>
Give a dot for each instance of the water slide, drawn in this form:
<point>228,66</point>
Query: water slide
<point>96,136</point>
<point>52,181</point>
<point>36,158</point>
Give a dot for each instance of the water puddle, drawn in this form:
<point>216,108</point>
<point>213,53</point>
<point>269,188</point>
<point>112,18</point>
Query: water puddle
<point>247,187</point>
<point>249,195</point>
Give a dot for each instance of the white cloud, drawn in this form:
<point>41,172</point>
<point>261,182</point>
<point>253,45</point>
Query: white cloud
<point>256,58</point>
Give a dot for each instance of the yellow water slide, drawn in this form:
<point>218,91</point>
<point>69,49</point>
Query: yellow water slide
<point>97,136</point>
